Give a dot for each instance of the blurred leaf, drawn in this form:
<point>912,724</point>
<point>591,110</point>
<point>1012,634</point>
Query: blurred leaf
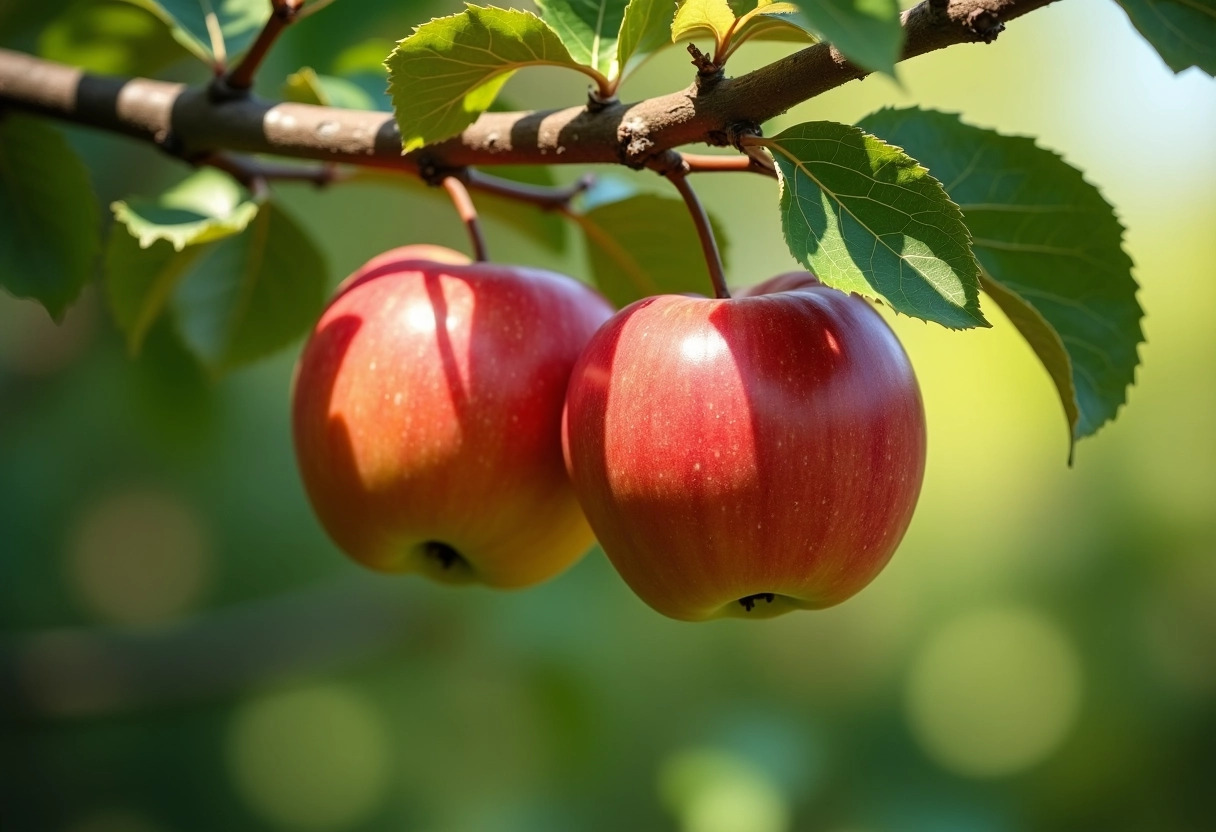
<point>645,29</point>
<point>545,227</point>
<point>703,18</point>
<point>307,87</point>
<point>49,217</point>
<point>588,28</point>
<point>141,274</point>
<point>1182,31</point>
<point>363,65</point>
<point>444,75</point>
<point>867,218</point>
<point>646,245</point>
<point>172,388</point>
<point>110,37</point>
<point>1051,252</point>
<point>866,31</point>
<point>212,31</point>
<point>249,295</point>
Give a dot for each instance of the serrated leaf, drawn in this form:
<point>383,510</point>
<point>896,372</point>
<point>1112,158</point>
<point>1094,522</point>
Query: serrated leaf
<point>251,294</point>
<point>49,217</point>
<point>867,218</point>
<point>704,18</point>
<point>162,239</point>
<point>645,29</point>
<point>866,31</point>
<point>111,37</point>
<point>307,87</point>
<point>646,245</point>
<point>1051,252</point>
<point>444,75</point>
<point>1182,31</point>
<point>212,30</point>
<point>589,29</point>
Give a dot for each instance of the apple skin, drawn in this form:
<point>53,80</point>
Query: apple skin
<point>426,414</point>
<point>746,457</point>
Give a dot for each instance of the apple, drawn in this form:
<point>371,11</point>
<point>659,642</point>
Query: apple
<point>746,456</point>
<point>426,414</point>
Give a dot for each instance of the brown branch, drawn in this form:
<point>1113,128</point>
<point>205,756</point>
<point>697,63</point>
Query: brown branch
<point>191,122</point>
<point>245,170</point>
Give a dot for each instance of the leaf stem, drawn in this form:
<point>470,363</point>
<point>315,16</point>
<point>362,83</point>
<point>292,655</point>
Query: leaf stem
<point>468,214</point>
<point>283,14</point>
<point>709,245</point>
<point>707,163</point>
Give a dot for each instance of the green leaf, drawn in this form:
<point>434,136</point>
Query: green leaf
<point>111,37</point>
<point>770,20</point>
<point>165,236</point>
<point>866,31</point>
<point>589,29</point>
<point>645,29</point>
<point>49,217</point>
<point>704,18</point>
<point>1182,31</point>
<point>867,218</point>
<point>249,295</point>
<point>307,87</point>
<point>645,245</point>
<point>1051,252</point>
<point>444,75</point>
<point>212,30</point>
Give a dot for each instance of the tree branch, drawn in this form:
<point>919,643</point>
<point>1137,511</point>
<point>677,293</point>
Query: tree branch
<point>193,122</point>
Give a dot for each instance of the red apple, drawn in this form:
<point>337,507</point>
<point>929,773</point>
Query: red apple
<point>746,457</point>
<point>427,417</point>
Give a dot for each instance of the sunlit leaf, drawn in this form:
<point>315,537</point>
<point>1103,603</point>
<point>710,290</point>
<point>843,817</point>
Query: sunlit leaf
<point>213,30</point>
<point>49,218</point>
<point>1182,31</point>
<point>1051,252</point>
<point>771,20</point>
<point>159,240</point>
<point>444,75</point>
<point>867,218</point>
<point>645,29</point>
<point>703,18</point>
<point>644,245</point>
<point>588,28</point>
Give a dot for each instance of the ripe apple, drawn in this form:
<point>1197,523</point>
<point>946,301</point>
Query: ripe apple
<point>427,417</point>
<point>750,456</point>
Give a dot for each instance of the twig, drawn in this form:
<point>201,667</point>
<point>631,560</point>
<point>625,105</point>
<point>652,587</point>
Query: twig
<point>468,214</point>
<point>544,197</point>
<point>240,78</point>
<point>709,245</point>
<point>705,163</point>
<point>245,170</point>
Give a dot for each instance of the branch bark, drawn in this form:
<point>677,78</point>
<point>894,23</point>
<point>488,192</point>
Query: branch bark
<point>193,122</point>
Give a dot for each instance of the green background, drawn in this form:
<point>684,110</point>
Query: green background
<point>182,649</point>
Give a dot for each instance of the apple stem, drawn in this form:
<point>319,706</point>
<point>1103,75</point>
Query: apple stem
<point>468,215</point>
<point>678,174</point>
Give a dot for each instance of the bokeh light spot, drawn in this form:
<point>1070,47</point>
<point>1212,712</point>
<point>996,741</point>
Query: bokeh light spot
<point>710,790</point>
<point>994,692</point>
<point>311,759</point>
<point>139,557</point>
